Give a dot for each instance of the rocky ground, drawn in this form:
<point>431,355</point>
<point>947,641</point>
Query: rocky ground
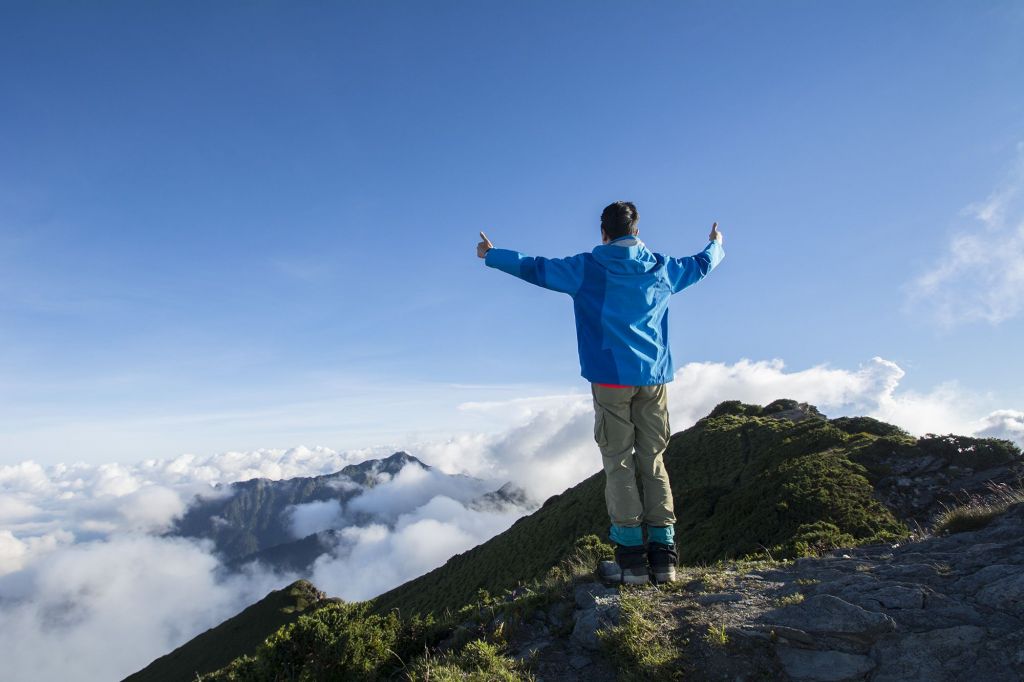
<point>941,608</point>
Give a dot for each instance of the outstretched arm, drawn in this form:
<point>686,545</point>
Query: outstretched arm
<point>682,272</point>
<point>557,274</point>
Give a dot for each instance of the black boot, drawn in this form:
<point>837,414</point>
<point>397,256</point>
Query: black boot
<point>663,561</point>
<point>629,567</point>
<point>633,562</point>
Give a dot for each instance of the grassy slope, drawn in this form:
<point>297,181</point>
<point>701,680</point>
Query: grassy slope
<point>236,636</point>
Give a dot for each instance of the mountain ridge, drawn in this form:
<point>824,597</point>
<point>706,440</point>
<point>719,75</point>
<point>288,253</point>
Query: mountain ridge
<point>253,520</point>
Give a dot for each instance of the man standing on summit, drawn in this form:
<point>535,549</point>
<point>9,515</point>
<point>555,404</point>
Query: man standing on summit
<point>620,292</point>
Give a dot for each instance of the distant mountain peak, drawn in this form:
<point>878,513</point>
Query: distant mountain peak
<point>402,457</point>
<point>391,464</point>
<point>508,496</point>
<point>254,516</point>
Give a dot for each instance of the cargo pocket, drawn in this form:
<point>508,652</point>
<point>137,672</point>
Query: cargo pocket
<point>663,413</point>
<point>600,432</point>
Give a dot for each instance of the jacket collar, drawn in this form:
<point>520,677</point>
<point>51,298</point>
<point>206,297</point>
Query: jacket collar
<point>627,240</point>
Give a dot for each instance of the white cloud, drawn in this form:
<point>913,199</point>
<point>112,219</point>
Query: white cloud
<point>981,275</point>
<point>151,508</point>
<point>100,610</point>
<point>1006,424</point>
<point>314,517</point>
<point>372,559</point>
<point>12,552</point>
<point>872,390</point>
<point>13,509</point>
<point>413,487</point>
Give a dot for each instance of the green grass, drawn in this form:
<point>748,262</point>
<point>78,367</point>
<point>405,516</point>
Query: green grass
<point>977,512</point>
<point>478,661</point>
<point>790,599</point>
<point>716,636</point>
<point>639,645</point>
<point>713,580</point>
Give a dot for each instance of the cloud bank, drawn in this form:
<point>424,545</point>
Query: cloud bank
<point>88,591</point>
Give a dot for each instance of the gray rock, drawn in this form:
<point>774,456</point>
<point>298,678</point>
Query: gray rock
<point>579,661</point>
<point>558,614</point>
<point>1006,594</point>
<point>758,633</point>
<point>792,634</point>
<point>936,656</point>
<point>890,597</point>
<point>808,665</point>
<point>828,614</point>
<point>604,614</point>
<point>584,633</point>
<point>530,650</point>
<point>585,594</point>
<point>928,465</point>
<point>918,571</point>
<point>985,576</point>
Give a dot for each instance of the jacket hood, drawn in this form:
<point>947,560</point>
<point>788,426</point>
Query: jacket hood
<point>635,259</point>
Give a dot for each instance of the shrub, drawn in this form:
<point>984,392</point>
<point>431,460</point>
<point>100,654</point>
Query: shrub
<point>812,539</point>
<point>337,642</point>
<point>964,451</point>
<point>735,407</point>
<point>855,425</point>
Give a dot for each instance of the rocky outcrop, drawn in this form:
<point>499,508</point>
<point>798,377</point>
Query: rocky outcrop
<point>936,610</point>
<point>919,480</point>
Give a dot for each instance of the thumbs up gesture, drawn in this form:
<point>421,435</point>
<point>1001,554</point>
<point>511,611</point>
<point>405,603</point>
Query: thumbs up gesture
<point>484,246</point>
<point>715,234</point>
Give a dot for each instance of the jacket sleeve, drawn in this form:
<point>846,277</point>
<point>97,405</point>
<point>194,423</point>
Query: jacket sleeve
<point>682,272</point>
<point>557,274</point>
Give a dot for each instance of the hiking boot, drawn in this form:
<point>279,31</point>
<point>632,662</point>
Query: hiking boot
<point>663,560</point>
<point>629,567</point>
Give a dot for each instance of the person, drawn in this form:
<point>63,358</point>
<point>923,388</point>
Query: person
<point>620,293</point>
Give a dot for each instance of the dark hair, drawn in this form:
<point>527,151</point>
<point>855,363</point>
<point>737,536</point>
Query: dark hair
<point>619,219</point>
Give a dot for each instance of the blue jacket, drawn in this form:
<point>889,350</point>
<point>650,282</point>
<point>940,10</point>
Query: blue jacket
<point>620,294</point>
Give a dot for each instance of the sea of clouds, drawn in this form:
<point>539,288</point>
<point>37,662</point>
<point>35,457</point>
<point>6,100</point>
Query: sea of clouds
<point>89,590</point>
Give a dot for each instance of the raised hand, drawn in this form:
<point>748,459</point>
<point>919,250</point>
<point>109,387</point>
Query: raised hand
<point>715,234</point>
<point>484,246</point>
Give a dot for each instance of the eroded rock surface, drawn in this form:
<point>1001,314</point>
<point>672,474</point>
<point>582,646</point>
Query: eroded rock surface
<point>940,609</point>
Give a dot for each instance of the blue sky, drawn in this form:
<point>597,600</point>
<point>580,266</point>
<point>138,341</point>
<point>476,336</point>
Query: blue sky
<point>237,225</point>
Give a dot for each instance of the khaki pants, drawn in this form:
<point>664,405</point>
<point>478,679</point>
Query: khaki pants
<point>627,421</point>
